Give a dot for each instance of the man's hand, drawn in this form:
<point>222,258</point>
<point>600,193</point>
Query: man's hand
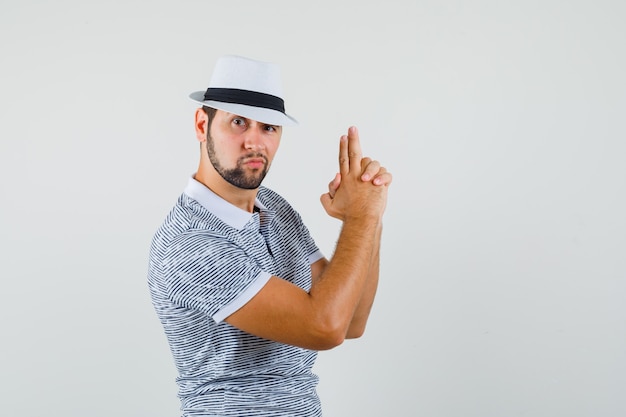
<point>363,175</point>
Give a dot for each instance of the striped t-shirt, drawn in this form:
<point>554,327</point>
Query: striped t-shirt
<point>207,260</point>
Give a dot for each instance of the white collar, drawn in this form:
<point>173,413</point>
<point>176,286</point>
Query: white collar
<point>225,211</point>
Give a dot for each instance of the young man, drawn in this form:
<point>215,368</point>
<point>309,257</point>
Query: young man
<point>243,293</point>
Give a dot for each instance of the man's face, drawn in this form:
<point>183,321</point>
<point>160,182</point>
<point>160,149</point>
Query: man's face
<point>240,149</point>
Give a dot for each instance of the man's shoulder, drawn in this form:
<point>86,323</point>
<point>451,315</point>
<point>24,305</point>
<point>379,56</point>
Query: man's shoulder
<point>188,220</point>
<point>272,200</point>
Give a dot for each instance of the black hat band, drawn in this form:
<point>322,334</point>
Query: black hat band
<point>247,97</point>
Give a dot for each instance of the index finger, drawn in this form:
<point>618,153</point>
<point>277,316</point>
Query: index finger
<point>354,150</point>
<point>344,161</point>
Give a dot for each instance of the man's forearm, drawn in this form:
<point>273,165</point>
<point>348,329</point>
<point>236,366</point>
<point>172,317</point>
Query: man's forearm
<point>362,311</point>
<point>347,281</point>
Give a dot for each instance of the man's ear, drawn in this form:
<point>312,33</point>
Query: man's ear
<point>201,124</point>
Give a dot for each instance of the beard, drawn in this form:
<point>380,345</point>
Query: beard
<point>238,176</point>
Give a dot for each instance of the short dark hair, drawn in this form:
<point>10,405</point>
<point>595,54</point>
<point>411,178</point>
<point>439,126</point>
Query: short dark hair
<point>210,112</point>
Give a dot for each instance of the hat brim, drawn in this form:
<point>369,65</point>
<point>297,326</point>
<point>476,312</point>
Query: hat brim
<point>260,114</point>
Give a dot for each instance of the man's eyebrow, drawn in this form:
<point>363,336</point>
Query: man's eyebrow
<point>237,116</point>
<point>247,119</point>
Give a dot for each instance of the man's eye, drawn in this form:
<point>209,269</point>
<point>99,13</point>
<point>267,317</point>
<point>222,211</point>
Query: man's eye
<point>270,128</point>
<point>239,122</point>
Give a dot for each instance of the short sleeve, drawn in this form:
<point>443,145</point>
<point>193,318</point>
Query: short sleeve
<point>212,275</point>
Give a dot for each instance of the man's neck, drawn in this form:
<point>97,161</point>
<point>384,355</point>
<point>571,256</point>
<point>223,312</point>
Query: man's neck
<point>239,197</point>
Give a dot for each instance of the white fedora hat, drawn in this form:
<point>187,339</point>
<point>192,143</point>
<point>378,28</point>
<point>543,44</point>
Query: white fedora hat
<point>248,88</point>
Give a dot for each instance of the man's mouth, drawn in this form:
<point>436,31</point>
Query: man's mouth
<point>255,162</point>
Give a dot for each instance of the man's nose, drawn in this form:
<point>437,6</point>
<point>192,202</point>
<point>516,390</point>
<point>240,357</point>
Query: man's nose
<point>253,138</point>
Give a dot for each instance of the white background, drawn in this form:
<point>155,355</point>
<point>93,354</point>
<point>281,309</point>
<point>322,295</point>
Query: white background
<point>503,265</point>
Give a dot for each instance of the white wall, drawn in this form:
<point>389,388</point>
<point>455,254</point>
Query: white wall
<point>503,268</point>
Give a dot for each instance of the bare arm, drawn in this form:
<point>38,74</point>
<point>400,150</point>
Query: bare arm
<point>321,318</point>
<point>372,171</point>
<point>362,311</point>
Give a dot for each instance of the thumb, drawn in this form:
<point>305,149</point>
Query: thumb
<point>326,201</point>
